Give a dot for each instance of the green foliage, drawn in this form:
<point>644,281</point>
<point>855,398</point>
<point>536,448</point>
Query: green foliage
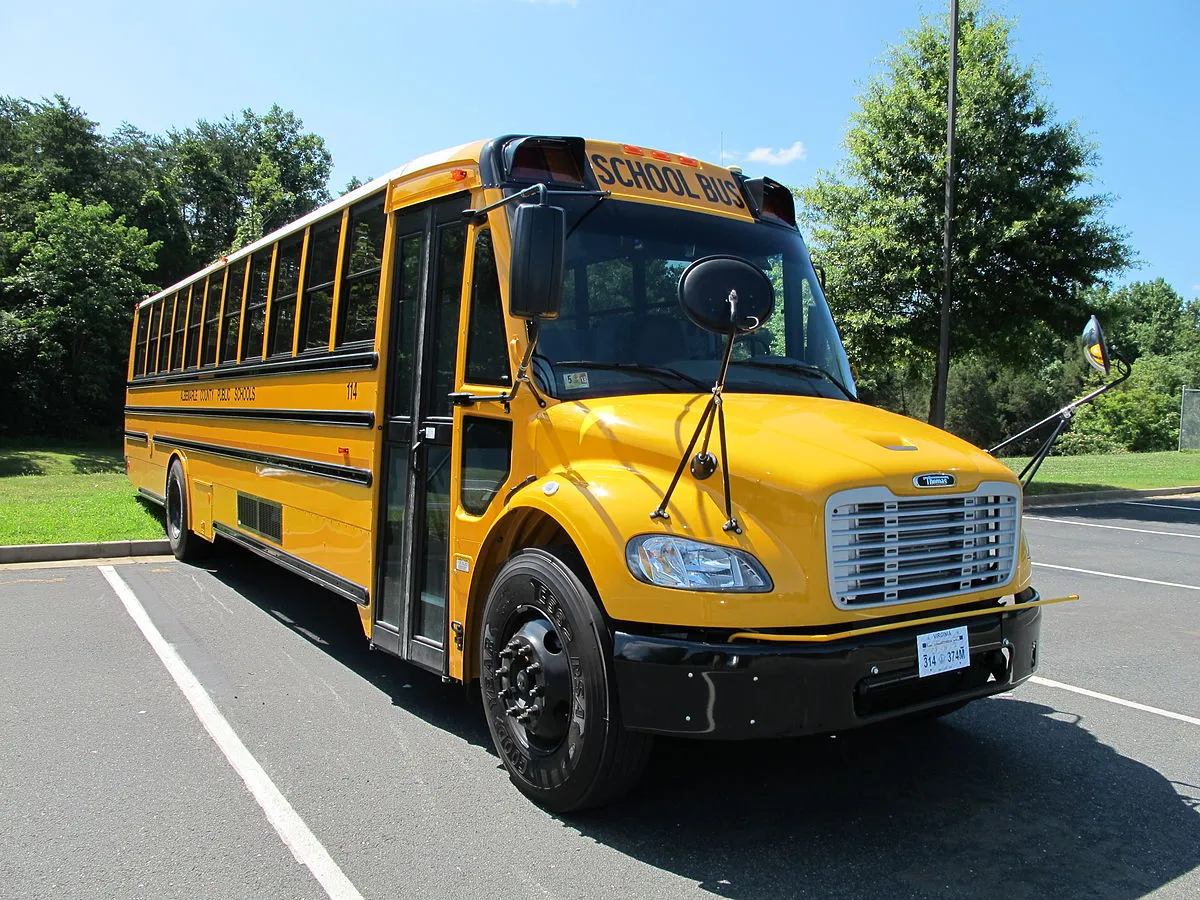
<point>1026,234</point>
<point>90,224</point>
<point>244,176</point>
<point>63,342</point>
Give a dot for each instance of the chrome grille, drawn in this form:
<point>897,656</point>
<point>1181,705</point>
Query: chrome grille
<point>884,549</point>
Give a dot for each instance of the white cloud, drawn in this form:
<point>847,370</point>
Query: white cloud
<point>772,157</point>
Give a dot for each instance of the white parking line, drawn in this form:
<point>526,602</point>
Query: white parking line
<point>1046,682</point>
<point>287,822</point>
<point>1113,527</point>
<point>1186,587</point>
<point>1194,509</point>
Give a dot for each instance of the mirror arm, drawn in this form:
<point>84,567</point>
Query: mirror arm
<point>464,398</point>
<point>477,216</point>
<point>1070,407</point>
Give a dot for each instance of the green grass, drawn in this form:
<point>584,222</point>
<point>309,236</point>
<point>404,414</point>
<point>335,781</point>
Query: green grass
<point>57,493</point>
<point>1112,471</point>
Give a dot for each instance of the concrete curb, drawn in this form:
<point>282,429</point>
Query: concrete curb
<point>1089,497</point>
<point>24,553</point>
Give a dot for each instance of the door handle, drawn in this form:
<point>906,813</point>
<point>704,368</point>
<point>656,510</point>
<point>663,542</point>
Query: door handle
<point>412,455</point>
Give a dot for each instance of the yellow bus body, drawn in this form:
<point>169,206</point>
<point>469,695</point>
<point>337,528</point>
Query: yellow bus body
<point>304,433</point>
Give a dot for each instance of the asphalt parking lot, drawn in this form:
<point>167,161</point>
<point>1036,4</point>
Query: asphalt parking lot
<point>1083,783</point>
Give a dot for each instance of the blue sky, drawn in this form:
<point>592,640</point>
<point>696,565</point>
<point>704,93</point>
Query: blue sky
<point>772,83</point>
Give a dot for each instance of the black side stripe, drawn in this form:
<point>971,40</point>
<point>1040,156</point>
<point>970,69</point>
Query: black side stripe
<point>137,436</point>
<point>345,417</point>
<point>325,362</point>
<point>307,466</point>
<point>323,577</point>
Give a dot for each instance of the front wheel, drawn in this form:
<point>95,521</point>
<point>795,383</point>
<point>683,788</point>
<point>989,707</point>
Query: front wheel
<point>548,690</point>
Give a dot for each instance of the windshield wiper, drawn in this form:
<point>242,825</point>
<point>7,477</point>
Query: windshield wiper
<point>634,367</point>
<point>803,368</point>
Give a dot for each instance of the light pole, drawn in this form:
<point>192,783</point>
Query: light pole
<point>937,414</point>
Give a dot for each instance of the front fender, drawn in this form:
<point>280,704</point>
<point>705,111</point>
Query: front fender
<point>600,507</point>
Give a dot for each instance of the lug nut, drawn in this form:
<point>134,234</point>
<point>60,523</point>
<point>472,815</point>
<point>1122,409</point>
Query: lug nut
<point>533,668</point>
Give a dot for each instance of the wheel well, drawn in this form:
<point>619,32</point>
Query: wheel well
<point>517,531</point>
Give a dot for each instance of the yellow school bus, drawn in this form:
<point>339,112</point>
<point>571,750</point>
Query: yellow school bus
<point>571,419</point>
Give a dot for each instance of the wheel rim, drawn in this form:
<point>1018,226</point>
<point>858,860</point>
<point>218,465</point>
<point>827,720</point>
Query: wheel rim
<point>534,679</point>
<point>174,510</point>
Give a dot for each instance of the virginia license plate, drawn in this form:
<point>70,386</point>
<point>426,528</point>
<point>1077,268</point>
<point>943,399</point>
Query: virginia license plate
<point>943,651</point>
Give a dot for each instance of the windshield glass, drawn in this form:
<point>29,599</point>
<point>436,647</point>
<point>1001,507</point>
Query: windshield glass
<point>622,331</point>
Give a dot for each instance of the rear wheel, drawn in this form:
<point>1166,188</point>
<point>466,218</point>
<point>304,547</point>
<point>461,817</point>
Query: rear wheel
<point>185,543</point>
<point>548,689</point>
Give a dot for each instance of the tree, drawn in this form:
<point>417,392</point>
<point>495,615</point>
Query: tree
<point>64,330</point>
<point>244,176</point>
<point>1026,235</point>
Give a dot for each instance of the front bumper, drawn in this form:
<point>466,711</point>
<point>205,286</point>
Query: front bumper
<point>764,689</point>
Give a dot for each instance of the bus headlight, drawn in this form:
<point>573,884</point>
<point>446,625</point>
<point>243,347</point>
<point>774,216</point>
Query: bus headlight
<point>676,562</point>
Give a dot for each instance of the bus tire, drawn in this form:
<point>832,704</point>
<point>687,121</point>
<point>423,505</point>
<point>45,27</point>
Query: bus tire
<point>548,689</point>
<point>185,543</point>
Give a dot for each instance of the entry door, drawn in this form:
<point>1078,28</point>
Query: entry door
<point>411,609</point>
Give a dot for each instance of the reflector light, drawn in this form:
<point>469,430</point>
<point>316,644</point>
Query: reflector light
<point>458,175</point>
<point>688,161</point>
<point>658,154</point>
<point>634,151</point>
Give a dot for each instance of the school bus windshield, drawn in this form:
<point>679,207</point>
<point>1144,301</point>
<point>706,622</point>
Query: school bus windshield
<point>621,329</point>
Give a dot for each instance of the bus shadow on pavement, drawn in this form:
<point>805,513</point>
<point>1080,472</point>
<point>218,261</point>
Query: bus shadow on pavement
<point>331,623</point>
<point>1005,798</point>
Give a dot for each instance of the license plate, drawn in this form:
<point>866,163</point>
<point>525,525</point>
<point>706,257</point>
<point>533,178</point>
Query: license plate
<point>943,651</point>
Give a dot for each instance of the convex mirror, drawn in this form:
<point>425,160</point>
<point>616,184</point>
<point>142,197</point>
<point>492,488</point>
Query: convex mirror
<point>726,295</point>
<point>1094,347</point>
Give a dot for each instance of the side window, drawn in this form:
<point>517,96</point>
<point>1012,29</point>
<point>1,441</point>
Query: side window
<point>139,346</point>
<point>487,345</point>
<point>212,315</point>
<point>181,303</point>
<point>319,272</point>
<point>360,279</point>
<point>233,310</point>
<point>195,312</point>
<point>152,345</point>
<point>283,296</point>
<point>168,330</point>
<point>487,456</point>
<point>256,304</point>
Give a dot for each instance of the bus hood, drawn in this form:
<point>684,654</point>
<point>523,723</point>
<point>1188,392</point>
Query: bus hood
<point>606,464</point>
<point>805,445</point>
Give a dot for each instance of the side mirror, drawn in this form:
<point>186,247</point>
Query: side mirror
<point>726,295</point>
<point>1095,350</point>
<point>538,248</point>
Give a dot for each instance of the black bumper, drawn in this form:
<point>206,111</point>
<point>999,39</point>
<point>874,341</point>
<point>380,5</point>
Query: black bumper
<point>756,690</point>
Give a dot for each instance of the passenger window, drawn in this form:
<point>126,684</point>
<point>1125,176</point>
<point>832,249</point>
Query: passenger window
<point>364,262</point>
<point>172,350</point>
<point>195,310</point>
<point>319,274</point>
<point>233,310</point>
<point>139,346</point>
<point>212,315</point>
<point>487,344</point>
<point>283,297</point>
<point>487,456</point>
<point>256,304</point>
<point>152,345</point>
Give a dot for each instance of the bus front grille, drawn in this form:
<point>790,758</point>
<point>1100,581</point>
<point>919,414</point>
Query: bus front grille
<point>884,549</point>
